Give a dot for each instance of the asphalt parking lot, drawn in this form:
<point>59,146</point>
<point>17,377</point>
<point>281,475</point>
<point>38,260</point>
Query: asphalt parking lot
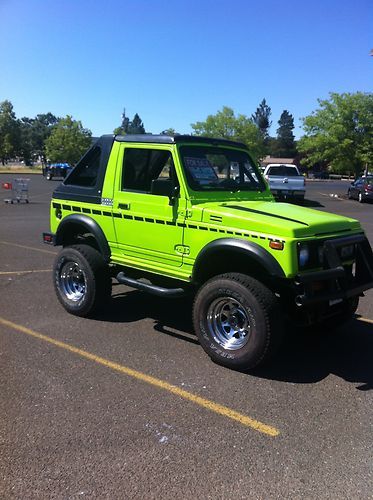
<point>128,405</point>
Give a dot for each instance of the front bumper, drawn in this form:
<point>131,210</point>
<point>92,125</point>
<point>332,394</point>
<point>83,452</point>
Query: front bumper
<point>337,281</point>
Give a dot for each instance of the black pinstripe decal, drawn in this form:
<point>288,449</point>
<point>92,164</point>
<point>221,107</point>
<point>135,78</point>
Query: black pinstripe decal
<point>149,220</point>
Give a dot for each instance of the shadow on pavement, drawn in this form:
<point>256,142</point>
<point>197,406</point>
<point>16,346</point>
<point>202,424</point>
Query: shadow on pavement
<point>311,203</point>
<point>308,357</point>
<point>304,357</point>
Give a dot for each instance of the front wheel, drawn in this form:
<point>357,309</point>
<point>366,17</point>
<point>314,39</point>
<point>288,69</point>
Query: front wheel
<point>361,197</point>
<point>237,321</point>
<point>81,280</point>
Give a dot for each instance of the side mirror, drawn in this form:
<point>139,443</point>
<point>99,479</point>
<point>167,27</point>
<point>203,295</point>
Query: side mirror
<point>165,187</point>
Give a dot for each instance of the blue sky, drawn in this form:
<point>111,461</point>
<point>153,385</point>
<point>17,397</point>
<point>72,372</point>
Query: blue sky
<point>176,62</point>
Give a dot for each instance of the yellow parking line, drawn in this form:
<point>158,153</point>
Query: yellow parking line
<point>365,320</point>
<point>26,272</point>
<point>28,248</point>
<point>160,384</point>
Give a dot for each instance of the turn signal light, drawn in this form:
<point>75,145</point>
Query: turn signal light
<point>276,245</point>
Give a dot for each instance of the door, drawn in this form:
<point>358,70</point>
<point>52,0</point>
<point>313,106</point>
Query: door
<point>150,229</point>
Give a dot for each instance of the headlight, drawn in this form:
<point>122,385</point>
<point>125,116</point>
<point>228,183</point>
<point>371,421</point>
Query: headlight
<point>347,252</point>
<point>304,255</point>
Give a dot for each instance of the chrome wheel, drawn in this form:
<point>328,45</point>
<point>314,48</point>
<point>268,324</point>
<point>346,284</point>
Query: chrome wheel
<point>73,281</point>
<point>229,323</point>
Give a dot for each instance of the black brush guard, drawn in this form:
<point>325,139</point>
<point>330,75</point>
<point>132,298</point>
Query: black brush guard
<point>337,281</point>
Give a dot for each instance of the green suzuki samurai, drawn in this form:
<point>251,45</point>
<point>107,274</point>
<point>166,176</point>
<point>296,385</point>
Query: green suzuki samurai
<point>192,215</point>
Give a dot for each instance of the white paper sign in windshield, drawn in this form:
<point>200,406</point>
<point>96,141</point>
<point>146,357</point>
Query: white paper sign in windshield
<point>201,170</point>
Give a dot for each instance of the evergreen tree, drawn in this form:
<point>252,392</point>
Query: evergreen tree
<point>285,136</point>
<point>136,126</point>
<point>261,118</point>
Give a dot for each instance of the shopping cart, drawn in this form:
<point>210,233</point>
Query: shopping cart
<point>19,190</point>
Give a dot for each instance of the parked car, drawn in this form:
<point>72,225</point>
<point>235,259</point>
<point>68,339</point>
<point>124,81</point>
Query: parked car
<point>285,181</point>
<point>56,170</point>
<point>361,189</point>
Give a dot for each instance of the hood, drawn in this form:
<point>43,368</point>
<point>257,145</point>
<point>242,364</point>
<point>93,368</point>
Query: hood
<point>282,219</point>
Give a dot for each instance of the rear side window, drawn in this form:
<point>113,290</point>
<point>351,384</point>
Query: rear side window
<point>141,166</point>
<point>283,170</point>
<point>86,172</point>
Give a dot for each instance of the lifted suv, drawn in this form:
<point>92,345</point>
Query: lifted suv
<point>195,215</point>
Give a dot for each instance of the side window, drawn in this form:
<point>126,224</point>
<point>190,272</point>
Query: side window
<point>141,166</point>
<point>86,171</point>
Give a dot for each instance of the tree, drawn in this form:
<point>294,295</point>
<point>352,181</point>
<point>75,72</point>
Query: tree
<point>340,133</point>
<point>169,131</point>
<point>261,118</point>
<point>34,133</point>
<point>67,141</point>
<point>135,126</point>
<point>9,132</point>
<point>226,125</point>
<point>285,145</point>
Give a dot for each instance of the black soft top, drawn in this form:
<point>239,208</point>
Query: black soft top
<point>176,139</point>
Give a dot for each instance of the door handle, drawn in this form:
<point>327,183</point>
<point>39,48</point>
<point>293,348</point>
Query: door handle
<point>124,206</point>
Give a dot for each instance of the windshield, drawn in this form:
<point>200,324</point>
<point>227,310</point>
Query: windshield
<point>220,169</point>
<point>283,171</point>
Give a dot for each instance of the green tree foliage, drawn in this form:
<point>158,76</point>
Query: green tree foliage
<point>261,118</point>
<point>67,141</point>
<point>34,133</point>
<point>169,131</point>
<point>285,144</point>
<point>340,133</point>
<point>136,126</point>
<point>9,132</point>
<point>227,125</point>
<point>127,126</point>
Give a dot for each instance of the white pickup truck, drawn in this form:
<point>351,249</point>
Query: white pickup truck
<point>285,181</point>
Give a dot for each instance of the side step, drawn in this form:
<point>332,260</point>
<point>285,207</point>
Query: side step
<point>153,289</point>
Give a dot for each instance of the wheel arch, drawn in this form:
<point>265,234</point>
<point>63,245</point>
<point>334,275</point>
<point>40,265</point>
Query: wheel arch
<point>234,255</point>
<point>76,225</point>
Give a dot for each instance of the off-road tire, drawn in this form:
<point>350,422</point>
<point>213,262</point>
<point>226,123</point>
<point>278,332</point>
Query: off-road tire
<point>258,305</point>
<point>81,279</point>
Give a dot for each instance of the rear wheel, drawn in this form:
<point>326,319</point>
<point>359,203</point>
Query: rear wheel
<point>81,279</point>
<point>237,321</point>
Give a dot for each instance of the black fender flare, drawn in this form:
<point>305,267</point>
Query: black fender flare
<point>90,226</point>
<point>250,249</point>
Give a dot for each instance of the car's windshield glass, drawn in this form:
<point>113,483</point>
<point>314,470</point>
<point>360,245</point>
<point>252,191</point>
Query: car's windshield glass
<point>283,170</point>
<point>220,169</point>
